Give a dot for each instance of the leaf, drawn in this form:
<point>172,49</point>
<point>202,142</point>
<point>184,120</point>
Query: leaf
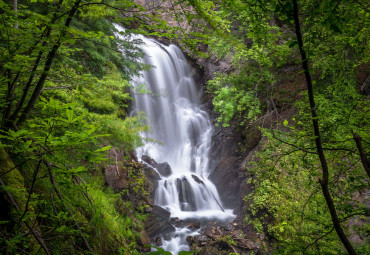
<point>61,228</point>
<point>69,113</point>
<point>104,148</point>
<point>285,123</point>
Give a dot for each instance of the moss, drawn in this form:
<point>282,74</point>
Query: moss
<point>12,178</point>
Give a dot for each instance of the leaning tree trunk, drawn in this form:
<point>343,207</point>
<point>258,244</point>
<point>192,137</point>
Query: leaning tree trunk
<point>49,60</point>
<point>324,182</point>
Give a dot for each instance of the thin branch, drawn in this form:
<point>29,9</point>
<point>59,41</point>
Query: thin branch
<point>317,239</point>
<point>363,6</point>
<point>293,145</point>
<point>34,177</point>
<point>33,231</point>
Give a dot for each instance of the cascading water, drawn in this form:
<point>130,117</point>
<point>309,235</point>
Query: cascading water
<point>183,134</point>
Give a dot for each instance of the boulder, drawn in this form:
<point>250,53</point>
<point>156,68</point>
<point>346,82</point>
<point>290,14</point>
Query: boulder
<point>115,174</point>
<point>157,223</point>
<point>163,169</point>
<point>148,160</point>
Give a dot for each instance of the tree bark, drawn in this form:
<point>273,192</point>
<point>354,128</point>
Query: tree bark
<point>324,182</point>
<point>365,162</point>
<point>45,35</point>
<point>15,8</point>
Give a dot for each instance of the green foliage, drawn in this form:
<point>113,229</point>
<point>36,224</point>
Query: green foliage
<point>260,43</point>
<point>287,202</point>
<point>229,101</point>
<point>64,96</point>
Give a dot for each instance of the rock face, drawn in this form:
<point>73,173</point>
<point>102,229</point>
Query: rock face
<point>115,174</point>
<point>227,168</point>
<point>153,178</point>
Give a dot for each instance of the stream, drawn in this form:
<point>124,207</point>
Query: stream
<point>180,134</point>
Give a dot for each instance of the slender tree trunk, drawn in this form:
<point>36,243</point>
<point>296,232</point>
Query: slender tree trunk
<point>15,8</point>
<point>324,182</point>
<point>365,162</point>
<point>49,60</point>
<point>45,35</point>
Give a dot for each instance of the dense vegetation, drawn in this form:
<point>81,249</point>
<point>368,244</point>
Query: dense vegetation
<point>64,98</point>
<point>296,73</point>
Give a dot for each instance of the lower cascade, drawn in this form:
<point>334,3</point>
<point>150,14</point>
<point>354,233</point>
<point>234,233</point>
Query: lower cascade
<point>179,140</point>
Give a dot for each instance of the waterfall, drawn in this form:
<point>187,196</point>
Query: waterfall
<point>180,134</point>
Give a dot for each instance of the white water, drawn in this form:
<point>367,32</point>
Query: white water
<point>184,131</point>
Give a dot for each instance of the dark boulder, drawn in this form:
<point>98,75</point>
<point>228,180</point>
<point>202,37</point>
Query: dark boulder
<point>153,178</point>
<point>163,169</point>
<point>197,179</point>
<point>157,223</point>
<point>148,160</point>
<point>177,222</point>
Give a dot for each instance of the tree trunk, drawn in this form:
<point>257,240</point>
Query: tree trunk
<point>324,182</point>
<point>49,60</point>
<point>365,162</point>
<point>15,8</point>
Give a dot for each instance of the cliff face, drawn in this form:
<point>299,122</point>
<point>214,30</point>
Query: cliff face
<point>230,145</point>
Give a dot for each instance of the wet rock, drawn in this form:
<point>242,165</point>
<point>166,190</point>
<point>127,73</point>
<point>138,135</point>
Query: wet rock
<point>193,225</point>
<point>153,178</point>
<point>177,222</point>
<point>225,166</point>
<point>163,169</point>
<point>157,223</point>
<point>196,178</point>
<point>148,160</point>
<point>186,195</point>
<point>197,241</point>
<point>158,241</point>
<point>151,173</point>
